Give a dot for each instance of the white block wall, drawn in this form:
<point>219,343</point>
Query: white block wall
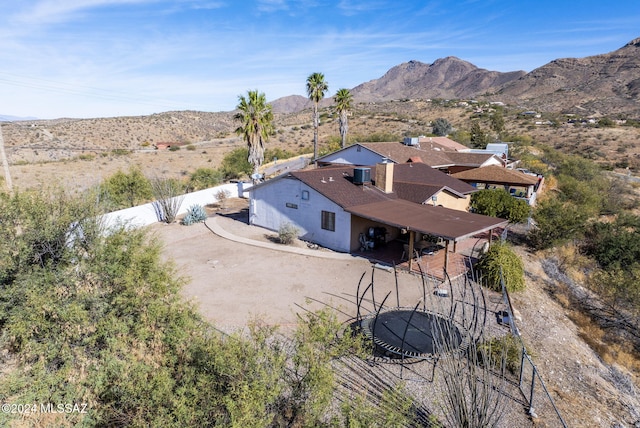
<point>144,215</point>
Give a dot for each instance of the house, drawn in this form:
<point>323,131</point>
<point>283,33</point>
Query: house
<point>517,183</point>
<point>167,145</point>
<point>336,206</point>
<point>445,160</point>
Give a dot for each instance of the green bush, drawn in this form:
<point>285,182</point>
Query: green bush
<point>499,203</point>
<point>204,178</point>
<point>235,164</point>
<point>124,190</point>
<point>499,263</point>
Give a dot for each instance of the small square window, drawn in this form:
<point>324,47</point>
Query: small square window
<point>305,195</point>
<point>329,221</point>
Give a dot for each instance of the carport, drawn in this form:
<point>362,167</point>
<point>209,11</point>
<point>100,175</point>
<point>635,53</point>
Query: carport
<point>451,225</point>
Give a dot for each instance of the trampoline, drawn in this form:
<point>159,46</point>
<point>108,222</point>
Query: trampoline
<point>412,333</point>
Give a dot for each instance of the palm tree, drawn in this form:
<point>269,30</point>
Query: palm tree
<point>256,124</point>
<point>343,100</point>
<point>316,88</point>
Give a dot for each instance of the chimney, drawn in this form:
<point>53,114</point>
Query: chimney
<point>384,176</point>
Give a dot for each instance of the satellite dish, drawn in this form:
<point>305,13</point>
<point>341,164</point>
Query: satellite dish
<point>256,176</point>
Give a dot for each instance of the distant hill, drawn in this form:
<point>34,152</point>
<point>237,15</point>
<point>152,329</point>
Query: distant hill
<point>290,104</point>
<point>601,84</point>
<point>448,77</point>
<point>607,83</point>
<point>7,118</point>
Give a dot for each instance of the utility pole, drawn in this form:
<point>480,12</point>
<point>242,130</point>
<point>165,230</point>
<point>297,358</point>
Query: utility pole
<point>5,164</point>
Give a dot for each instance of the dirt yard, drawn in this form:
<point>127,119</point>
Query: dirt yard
<point>232,282</point>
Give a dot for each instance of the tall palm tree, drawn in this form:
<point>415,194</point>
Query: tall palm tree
<point>256,125</point>
<point>343,100</point>
<point>316,88</point>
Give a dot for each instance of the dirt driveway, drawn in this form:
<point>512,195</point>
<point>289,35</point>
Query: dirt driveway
<point>232,282</point>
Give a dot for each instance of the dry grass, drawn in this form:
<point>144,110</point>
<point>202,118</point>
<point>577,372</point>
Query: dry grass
<point>79,152</point>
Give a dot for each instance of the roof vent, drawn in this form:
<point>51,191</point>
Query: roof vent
<point>361,175</point>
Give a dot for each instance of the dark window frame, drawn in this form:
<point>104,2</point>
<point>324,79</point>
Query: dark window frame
<point>328,221</point>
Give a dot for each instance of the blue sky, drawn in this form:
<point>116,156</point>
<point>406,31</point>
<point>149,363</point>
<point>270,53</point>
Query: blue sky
<point>98,58</point>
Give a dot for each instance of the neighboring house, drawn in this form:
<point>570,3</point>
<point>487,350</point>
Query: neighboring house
<point>167,145</point>
<point>448,161</point>
<point>517,183</point>
<point>334,206</point>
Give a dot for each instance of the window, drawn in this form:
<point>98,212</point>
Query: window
<point>290,205</point>
<point>305,195</point>
<point>329,221</point>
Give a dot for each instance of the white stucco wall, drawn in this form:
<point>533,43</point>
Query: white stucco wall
<point>351,156</point>
<point>268,209</point>
<point>144,215</point>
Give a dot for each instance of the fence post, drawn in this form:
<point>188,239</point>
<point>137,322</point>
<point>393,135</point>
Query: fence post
<point>532,412</point>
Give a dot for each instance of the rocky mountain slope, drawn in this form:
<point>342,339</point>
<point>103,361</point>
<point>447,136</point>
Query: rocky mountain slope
<point>448,77</point>
<point>601,84</point>
<point>607,83</point>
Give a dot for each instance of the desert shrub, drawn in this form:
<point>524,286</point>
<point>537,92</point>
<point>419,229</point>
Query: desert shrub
<point>195,214</point>
<point>504,351</point>
<point>221,196</point>
<point>190,147</point>
<point>556,222</point>
<point>203,178</point>
<point>169,194</point>
<point>127,189</point>
<point>174,148</point>
<point>499,263</point>
<point>287,233</point>
<point>235,164</point>
<point>499,203</point>
<point>442,127</point>
<point>614,245</point>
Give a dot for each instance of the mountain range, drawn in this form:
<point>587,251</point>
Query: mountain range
<point>600,84</point>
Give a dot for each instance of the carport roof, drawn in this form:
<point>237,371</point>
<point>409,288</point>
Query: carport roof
<point>437,221</point>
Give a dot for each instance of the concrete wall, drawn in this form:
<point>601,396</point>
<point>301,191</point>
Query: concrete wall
<point>146,214</point>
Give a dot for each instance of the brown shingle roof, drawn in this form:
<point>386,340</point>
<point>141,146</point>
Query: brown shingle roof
<point>469,159</point>
<point>496,174</point>
<point>424,174</point>
<point>400,153</point>
<point>336,183</point>
<point>438,221</point>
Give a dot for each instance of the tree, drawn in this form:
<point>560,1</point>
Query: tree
<point>316,88</point>
<point>256,124</point>
<point>497,122</point>
<point>441,127</point>
<point>478,136</point>
<point>343,100</point>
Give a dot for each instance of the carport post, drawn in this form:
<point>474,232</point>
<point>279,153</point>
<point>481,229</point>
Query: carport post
<point>446,257</point>
<point>412,238</point>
